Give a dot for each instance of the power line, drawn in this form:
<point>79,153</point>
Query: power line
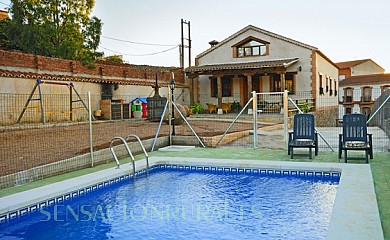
<point>8,5</point>
<point>140,43</point>
<point>140,55</point>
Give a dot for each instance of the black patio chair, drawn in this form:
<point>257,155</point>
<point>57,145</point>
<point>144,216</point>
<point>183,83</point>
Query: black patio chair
<point>355,136</point>
<point>303,135</point>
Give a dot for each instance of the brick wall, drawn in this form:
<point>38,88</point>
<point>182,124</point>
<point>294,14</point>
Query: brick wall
<point>102,68</point>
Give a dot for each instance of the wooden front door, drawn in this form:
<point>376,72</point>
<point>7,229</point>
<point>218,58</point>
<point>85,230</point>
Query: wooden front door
<point>243,90</point>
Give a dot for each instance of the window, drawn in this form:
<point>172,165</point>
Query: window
<point>250,46</point>
<point>385,88</point>
<point>348,95</point>
<point>366,111</point>
<point>226,86</point>
<point>330,87</point>
<point>289,82</point>
<point>327,84</point>
<point>348,110</point>
<point>366,94</point>
<point>276,83</point>
<point>321,85</point>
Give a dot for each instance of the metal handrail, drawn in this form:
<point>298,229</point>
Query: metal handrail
<point>143,149</point>
<point>128,151</point>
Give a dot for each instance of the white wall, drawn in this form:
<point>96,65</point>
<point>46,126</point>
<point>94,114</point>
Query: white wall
<point>279,49</point>
<point>357,93</point>
<point>327,70</point>
<point>365,68</point>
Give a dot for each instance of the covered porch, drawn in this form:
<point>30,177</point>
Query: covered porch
<point>242,78</point>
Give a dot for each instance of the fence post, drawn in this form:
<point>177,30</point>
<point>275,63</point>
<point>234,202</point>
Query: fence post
<point>169,116</point>
<point>285,118</point>
<point>90,128</point>
<point>254,114</point>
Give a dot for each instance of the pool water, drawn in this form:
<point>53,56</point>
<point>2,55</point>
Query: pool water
<point>181,204</point>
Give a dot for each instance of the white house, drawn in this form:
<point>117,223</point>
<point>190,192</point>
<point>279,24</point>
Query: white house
<point>361,83</point>
<point>359,93</point>
<point>254,59</point>
<point>358,67</point>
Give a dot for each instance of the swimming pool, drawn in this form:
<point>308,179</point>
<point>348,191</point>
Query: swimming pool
<point>199,212</point>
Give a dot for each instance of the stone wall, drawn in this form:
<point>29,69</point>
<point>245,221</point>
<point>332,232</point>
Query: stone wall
<point>326,117</point>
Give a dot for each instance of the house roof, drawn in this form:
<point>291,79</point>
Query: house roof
<point>89,79</point>
<point>349,64</point>
<point>3,14</point>
<point>275,63</point>
<point>366,79</point>
<point>142,100</point>
<point>256,29</point>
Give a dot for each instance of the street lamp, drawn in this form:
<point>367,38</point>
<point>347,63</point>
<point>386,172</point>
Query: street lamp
<point>172,85</point>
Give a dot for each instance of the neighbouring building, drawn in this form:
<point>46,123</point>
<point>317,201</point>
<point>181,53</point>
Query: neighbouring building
<point>361,82</point>
<point>254,59</point>
<point>358,67</point>
<point>116,82</point>
<point>359,93</point>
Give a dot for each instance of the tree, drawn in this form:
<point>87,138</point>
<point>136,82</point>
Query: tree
<point>55,28</point>
<point>113,58</point>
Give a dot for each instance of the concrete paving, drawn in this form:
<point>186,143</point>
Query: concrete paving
<point>273,139</point>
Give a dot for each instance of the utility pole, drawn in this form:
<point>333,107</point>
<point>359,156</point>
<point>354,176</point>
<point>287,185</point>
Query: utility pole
<point>185,46</point>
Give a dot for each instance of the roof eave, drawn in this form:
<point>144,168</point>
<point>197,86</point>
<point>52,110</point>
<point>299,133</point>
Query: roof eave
<point>250,27</point>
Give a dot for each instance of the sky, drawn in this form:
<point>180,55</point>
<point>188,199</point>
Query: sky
<point>149,31</point>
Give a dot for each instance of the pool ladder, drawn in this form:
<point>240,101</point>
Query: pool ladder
<point>124,141</point>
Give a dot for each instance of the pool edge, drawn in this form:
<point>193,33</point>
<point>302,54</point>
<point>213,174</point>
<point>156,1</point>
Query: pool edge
<point>348,221</point>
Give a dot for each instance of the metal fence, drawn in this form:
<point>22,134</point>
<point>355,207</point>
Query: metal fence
<point>31,150</point>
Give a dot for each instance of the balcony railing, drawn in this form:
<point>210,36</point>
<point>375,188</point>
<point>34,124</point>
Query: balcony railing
<point>366,99</point>
<point>347,99</point>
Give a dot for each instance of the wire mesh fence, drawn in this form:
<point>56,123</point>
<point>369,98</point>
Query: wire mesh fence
<point>31,150</point>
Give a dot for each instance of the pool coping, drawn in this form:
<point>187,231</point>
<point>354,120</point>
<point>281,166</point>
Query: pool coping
<point>355,212</point>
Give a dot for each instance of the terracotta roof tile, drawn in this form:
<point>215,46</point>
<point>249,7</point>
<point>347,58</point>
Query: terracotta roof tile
<point>68,78</point>
<point>366,79</point>
<point>245,65</point>
<point>349,64</point>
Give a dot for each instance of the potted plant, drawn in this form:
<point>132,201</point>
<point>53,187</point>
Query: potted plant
<point>304,107</point>
<point>196,108</point>
<point>236,106</point>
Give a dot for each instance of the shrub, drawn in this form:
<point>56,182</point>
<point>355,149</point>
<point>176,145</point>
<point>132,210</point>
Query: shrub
<point>197,108</point>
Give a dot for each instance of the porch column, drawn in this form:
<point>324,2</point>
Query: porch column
<point>191,91</point>
<point>250,88</point>
<point>196,90</point>
<point>283,80</point>
<point>219,90</point>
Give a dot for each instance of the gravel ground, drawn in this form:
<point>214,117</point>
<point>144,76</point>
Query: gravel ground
<point>25,147</point>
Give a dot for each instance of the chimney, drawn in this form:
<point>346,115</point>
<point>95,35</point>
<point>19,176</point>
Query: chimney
<point>213,43</point>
